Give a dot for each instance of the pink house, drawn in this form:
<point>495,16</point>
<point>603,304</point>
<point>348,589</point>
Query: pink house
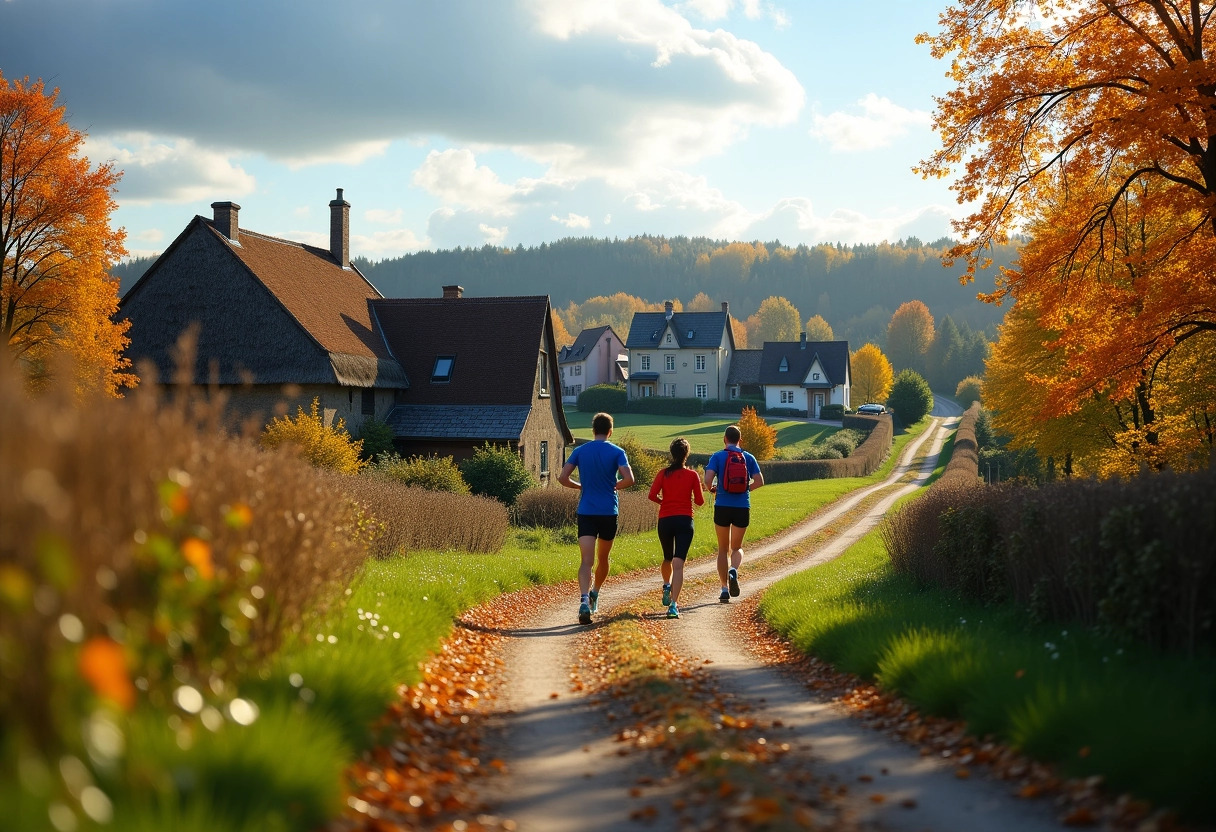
<point>591,360</point>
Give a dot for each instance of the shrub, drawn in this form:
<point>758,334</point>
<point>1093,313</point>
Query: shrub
<point>431,473</point>
<point>377,438</point>
<point>731,405</point>
<point>844,441</point>
<point>637,513</point>
<point>969,391</point>
<point>757,437</point>
<point>910,398</point>
<point>645,463</point>
<point>831,412</point>
<point>608,398</point>
<point>406,519</point>
<point>665,406</point>
<point>497,471</point>
<point>177,555</point>
<point>325,446</point>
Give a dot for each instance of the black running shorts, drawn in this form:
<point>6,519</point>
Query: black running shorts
<point>732,516</point>
<point>602,526</point>
<point>675,536</point>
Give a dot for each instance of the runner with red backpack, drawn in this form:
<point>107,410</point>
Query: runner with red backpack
<point>731,475</point>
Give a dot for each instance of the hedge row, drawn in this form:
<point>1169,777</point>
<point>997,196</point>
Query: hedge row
<point>1133,559</point>
<point>665,406</point>
<point>866,459</point>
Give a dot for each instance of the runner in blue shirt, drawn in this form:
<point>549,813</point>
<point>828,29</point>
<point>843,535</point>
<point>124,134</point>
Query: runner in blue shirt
<point>599,465</point>
<point>732,512</point>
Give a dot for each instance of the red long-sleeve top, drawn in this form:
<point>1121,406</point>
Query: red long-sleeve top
<point>678,489</point>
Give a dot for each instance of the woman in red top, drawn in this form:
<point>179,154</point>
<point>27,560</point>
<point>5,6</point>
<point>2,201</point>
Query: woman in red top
<point>675,489</point>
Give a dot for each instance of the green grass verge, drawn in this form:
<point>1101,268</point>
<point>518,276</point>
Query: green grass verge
<point>704,434</point>
<point>1147,720</point>
<point>320,698</point>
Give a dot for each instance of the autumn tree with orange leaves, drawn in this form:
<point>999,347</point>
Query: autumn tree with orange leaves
<point>56,296</point>
<point>1087,124</point>
<point>909,336</point>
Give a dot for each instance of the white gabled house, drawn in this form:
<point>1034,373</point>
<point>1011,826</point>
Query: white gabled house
<point>805,375</point>
<point>680,354</point>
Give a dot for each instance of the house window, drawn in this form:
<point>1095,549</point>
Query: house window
<point>784,366</point>
<point>442,371</point>
<point>669,337</point>
<point>578,369</point>
<point>644,359</point>
<point>544,458</point>
<point>669,363</point>
<point>702,391</point>
<point>734,392</point>
<point>369,401</point>
<point>669,389</point>
<point>542,372</point>
<point>815,376</point>
<point>787,396</point>
<point>699,363</point>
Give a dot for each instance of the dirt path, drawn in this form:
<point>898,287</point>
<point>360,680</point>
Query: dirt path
<point>566,771</point>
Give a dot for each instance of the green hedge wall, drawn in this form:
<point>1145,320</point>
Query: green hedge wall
<point>664,406</point>
<point>864,460</point>
<point>606,398</point>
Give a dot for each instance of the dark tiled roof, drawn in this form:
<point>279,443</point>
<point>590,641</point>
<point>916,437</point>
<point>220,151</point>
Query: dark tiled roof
<point>495,341</point>
<point>647,328</point>
<point>744,367</point>
<point>437,421</point>
<point>582,345</point>
<point>833,357</point>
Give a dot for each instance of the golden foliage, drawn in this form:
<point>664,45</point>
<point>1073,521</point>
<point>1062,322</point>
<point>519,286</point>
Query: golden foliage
<point>818,329</point>
<point>776,320</point>
<point>323,445</point>
<point>561,335</point>
<point>701,302</point>
<point>756,436</point>
<point>56,296</point>
<point>909,336</point>
<point>871,375</point>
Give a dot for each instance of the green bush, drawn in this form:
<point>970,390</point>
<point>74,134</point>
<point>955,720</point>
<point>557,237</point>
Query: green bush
<point>731,405</point>
<point>969,390</point>
<point>377,438</point>
<point>645,463</point>
<point>844,441</point>
<point>910,398</point>
<point>665,406</point>
<point>433,473</point>
<point>831,411</point>
<point>497,471</point>
<point>605,398</point>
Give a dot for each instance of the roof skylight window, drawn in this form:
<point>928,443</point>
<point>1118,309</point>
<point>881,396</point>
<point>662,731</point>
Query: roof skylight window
<point>443,368</point>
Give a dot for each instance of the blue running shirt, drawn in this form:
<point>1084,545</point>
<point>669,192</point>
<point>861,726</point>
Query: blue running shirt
<point>598,462</point>
<point>722,497</point>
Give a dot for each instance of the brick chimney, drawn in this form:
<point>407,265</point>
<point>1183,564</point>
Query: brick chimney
<point>453,292</point>
<point>339,230</point>
<point>226,219</point>
<point>803,342</point>
<point>726,307</point>
<point>668,308</point>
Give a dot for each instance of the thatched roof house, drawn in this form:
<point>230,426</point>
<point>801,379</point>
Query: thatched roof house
<point>279,322</point>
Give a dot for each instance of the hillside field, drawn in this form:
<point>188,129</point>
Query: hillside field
<point>704,434</point>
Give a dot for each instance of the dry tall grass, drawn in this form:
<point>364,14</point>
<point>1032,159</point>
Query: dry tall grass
<point>409,518</point>
<point>138,522</point>
<point>556,508</point>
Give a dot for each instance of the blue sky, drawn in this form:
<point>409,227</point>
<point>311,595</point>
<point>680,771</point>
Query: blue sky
<point>465,122</point>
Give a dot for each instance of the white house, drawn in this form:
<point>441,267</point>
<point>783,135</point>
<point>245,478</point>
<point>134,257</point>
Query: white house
<point>805,375</point>
<point>680,354</point>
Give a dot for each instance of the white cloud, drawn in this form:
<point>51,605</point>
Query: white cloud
<point>168,170</point>
<point>381,244</point>
<point>795,220</point>
<point>149,235</point>
<point>493,236</point>
<point>880,123</point>
<point>455,178</point>
<point>572,220</point>
<point>381,216</point>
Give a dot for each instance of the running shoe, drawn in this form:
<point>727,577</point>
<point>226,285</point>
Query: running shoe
<point>666,595</point>
<point>732,577</point>
<point>594,595</point>
<point>724,598</point>
<point>584,614</point>
<point>673,611</point>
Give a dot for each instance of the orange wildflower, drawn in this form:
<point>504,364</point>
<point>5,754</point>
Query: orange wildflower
<point>103,664</point>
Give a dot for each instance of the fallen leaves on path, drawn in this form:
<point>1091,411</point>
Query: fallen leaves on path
<point>1080,802</point>
<point>425,773</point>
<point>727,769</point>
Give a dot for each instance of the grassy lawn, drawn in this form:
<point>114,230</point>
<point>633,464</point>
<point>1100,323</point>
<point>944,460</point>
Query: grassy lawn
<point>1142,720</point>
<point>704,434</point>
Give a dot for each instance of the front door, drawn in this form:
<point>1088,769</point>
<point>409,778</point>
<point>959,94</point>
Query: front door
<point>818,404</point>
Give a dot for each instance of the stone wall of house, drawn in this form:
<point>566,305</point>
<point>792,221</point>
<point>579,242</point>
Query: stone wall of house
<point>259,403</point>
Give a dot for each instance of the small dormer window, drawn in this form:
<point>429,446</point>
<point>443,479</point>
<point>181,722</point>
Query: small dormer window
<point>442,371</point>
<point>815,376</point>
<point>690,332</point>
<point>669,337</point>
<point>785,365</point>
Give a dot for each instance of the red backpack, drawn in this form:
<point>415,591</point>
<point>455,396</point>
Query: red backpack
<point>736,477</point>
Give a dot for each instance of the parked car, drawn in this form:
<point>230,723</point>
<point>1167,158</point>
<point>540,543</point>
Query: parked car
<point>872,408</point>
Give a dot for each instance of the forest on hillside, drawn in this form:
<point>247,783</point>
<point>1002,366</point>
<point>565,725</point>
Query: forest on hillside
<point>855,288</point>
